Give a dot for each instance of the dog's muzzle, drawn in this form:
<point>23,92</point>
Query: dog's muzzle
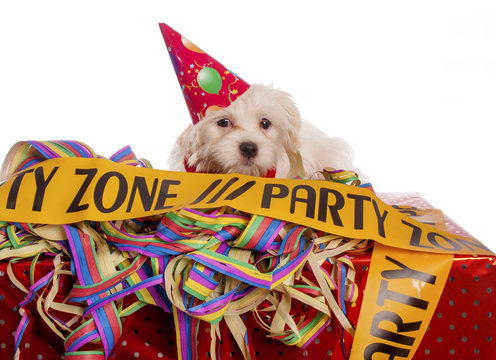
<point>248,149</point>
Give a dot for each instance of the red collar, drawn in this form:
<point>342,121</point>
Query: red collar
<point>271,173</point>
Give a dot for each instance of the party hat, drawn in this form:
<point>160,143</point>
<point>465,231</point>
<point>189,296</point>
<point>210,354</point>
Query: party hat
<point>205,83</point>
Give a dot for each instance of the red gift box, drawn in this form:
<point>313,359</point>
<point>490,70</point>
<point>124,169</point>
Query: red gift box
<point>461,328</point>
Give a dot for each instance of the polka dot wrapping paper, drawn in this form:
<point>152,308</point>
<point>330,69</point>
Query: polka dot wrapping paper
<point>462,326</point>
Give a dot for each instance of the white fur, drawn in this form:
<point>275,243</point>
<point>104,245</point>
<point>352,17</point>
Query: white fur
<point>214,149</point>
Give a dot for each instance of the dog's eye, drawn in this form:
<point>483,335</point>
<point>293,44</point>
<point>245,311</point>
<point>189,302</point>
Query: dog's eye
<point>224,123</point>
<point>265,123</point>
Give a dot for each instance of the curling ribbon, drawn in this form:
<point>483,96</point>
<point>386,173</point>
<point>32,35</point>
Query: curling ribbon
<point>198,264</point>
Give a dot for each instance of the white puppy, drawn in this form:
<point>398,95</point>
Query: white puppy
<point>258,133</point>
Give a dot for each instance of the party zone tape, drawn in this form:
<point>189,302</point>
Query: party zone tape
<point>67,190</point>
<point>210,247</point>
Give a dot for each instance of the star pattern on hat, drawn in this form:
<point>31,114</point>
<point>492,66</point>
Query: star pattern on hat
<point>204,81</point>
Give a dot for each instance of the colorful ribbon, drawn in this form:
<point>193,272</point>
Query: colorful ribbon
<point>209,265</point>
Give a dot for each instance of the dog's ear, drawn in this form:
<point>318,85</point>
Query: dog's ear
<point>186,144</point>
<point>292,142</point>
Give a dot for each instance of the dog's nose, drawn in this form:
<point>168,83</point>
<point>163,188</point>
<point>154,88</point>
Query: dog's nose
<point>248,149</point>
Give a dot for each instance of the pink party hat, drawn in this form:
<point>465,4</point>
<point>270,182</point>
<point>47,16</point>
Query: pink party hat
<point>205,82</point>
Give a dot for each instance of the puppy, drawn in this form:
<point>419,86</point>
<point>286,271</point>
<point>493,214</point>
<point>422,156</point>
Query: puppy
<point>258,134</point>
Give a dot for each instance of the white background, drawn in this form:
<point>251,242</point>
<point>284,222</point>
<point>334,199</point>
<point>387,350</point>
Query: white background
<point>411,85</point>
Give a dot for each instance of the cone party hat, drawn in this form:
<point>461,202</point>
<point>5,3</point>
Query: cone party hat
<point>205,83</point>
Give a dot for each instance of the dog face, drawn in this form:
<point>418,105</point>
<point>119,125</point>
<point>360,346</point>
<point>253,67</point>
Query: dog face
<point>247,137</point>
